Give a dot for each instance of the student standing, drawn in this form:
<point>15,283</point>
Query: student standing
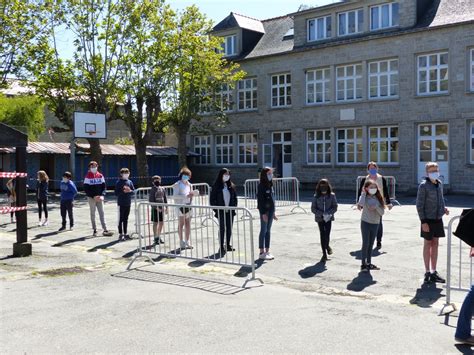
<point>183,194</point>
<point>223,194</point>
<point>94,187</point>
<point>11,194</point>
<point>324,206</point>
<point>372,205</point>
<point>266,208</point>
<point>157,195</point>
<point>42,196</point>
<point>431,208</point>
<point>68,192</point>
<point>373,174</point>
<point>124,191</point>
<point>463,328</point>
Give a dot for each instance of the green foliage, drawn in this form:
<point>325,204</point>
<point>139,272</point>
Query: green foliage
<point>23,111</point>
<point>123,141</point>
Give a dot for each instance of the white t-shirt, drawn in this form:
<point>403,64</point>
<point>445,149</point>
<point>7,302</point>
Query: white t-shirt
<point>226,194</point>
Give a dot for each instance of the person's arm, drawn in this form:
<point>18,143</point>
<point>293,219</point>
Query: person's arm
<point>379,208</point>
<point>165,199</point>
<point>333,208</point>
<point>132,187</point>
<point>261,203</point>
<point>420,202</point>
<point>73,187</point>
<point>362,197</point>
<point>361,186</point>
<point>386,195</point>
<point>152,195</point>
<point>103,187</point>
<point>313,205</point>
<point>118,188</point>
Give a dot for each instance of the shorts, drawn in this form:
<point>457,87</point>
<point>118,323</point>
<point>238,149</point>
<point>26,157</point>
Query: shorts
<point>436,230</point>
<point>156,216</point>
<point>185,212</point>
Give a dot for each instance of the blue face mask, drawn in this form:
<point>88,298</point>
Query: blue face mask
<point>269,177</point>
<point>373,171</point>
<point>185,177</point>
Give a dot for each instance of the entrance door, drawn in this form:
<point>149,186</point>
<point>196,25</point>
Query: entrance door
<point>281,143</point>
<point>433,145</point>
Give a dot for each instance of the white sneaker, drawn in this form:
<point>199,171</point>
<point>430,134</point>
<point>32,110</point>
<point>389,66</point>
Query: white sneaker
<point>262,256</point>
<point>269,256</point>
<point>45,223</point>
<point>40,223</point>
<point>182,244</point>
<point>188,246</point>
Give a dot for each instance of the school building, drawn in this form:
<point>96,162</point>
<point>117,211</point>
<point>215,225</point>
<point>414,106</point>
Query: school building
<point>332,87</point>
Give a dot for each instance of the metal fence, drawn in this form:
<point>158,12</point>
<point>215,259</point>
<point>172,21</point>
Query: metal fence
<point>391,185</point>
<point>286,192</point>
<point>204,238</point>
<point>459,268</point>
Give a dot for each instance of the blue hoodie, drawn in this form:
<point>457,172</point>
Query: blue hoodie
<point>68,191</point>
<point>124,198</point>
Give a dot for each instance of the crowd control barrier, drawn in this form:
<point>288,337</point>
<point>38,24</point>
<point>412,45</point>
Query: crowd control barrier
<point>286,192</point>
<point>459,269</point>
<point>391,185</point>
<point>204,238</point>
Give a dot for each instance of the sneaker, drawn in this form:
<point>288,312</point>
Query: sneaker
<point>373,267</point>
<point>157,240</point>
<point>40,223</point>
<point>189,246</point>
<point>379,246</point>
<point>126,237</point>
<point>427,277</point>
<point>120,238</point>
<point>468,341</point>
<point>230,248</point>
<point>71,228</point>
<point>436,278</point>
<point>324,258</point>
<point>107,233</point>
<point>182,244</point>
<point>162,241</point>
<point>262,256</point>
<point>329,250</point>
<point>62,228</point>
<point>12,220</point>
<point>45,223</point>
<point>94,233</point>
<point>364,268</point>
<point>269,256</point>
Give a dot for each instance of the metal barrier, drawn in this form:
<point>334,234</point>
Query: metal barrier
<point>286,193</point>
<point>453,284</point>
<point>391,185</point>
<point>204,239</point>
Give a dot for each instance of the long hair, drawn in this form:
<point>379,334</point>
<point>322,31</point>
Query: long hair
<point>324,182</point>
<point>42,176</point>
<point>184,171</point>
<point>369,182</point>
<point>219,184</point>
<point>263,177</point>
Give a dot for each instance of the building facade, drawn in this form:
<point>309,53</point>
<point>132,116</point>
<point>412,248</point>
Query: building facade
<point>330,88</point>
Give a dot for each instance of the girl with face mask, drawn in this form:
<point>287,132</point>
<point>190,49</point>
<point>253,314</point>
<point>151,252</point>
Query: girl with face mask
<point>372,205</point>
<point>124,191</point>
<point>324,206</point>
<point>266,208</point>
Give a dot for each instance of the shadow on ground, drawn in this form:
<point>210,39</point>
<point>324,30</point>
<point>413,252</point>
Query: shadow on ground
<point>313,270</point>
<point>426,295</point>
<point>361,281</point>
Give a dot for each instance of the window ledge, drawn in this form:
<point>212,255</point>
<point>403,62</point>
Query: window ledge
<point>325,165</point>
<point>271,108</point>
<point>246,111</point>
<point>388,98</point>
<point>424,96</point>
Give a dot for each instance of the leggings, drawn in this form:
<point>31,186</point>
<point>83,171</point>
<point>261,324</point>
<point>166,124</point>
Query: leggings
<point>324,231</point>
<point>123,219</point>
<point>42,205</point>
<point>369,233</point>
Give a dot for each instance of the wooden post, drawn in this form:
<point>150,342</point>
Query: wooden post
<point>21,247</point>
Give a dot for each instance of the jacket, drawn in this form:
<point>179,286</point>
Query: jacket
<point>157,195</point>
<point>94,184</point>
<point>217,197</point>
<point>124,198</point>
<point>324,204</point>
<point>369,214</point>
<point>430,201</point>
<point>386,195</point>
<point>465,229</point>
<point>41,190</point>
<point>68,190</point>
<point>265,199</point>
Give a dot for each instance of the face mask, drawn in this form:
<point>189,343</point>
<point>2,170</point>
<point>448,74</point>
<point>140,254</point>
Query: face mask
<point>156,183</point>
<point>185,177</point>
<point>372,191</point>
<point>93,170</point>
<point>373,171</point>
<point>125,176</point>
<point>269,177</point>
<point>225,178</point>
<point>324,190</point>
<point>65,180</point>
<point>433,176</point>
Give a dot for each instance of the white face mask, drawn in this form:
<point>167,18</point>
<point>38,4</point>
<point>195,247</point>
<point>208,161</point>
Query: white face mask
<point>225,178</point>
<point>372,191</point>
<point>65,180</point>
<point>125,176</point>
<point>269,177</point>
<point>93,170</point>
<point>433,176</point>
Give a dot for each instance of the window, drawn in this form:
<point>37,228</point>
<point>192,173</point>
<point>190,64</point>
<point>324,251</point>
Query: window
<point>224,149</point>
<point>318,86</point>
<point>229,47</point>
<point>226,98</point>
<point>318,146</point>
<point>247,93</point>
<point>384,16</point>
<point>383,143</point>
<point>349,145</point>
<point>202,146</point>
<point>383,78</point>
<point>433,73</point>
<point>349,82</point>
<point>281,90</point>
<point>350,22</point>
<point>248,148</point>
<point>472,69</point>
<point>472,142</point>
<point>319,28</point>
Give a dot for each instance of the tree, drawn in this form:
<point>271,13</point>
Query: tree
<point>23,111</point>
<point>198,75</point>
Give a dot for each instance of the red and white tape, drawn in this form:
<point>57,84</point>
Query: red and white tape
<point>12,175</point>
<point>4,210</point>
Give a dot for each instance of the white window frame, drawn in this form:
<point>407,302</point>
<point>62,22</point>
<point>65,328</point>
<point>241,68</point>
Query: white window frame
<point>380,8</point>
<point>203,143</point>
<point>250,143</point>
<point>282,83</point>
<point>312,24</point>
<point>471,61</point>
<point>378,140</point>
<point>225,98</point>
<point>324,142</point>
<point>242,90</point>
<point>379,76</point>
<point>353,81</point>
<point>427,69</point>
<point>233,44</point>
<point>219,149</point>
<point>358,13</point>
<point>355,141</point>
<point>471,142</point>
<point>324,83</point>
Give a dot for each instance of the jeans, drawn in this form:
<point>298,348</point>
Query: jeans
<point>369,232</point>
<point>265,229</point>
<point>463,330</point>
<point>380,232</point>
<point>66,206</point>
<point>93,204</point>
<point>42,205</point>
<point>324,231</point>
<point>124,212</point>
<point>226,220</point>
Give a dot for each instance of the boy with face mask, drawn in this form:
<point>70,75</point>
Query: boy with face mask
<point>431,208</point>
<point>157,195</point>
<point>124,191</point>
<point>68,192</point>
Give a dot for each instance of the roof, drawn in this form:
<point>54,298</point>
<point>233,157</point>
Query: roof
<point>446,12</point>
<point>107,149</point>
<point>17,87</point>
<point>11,137</point>
<point>236,20</point>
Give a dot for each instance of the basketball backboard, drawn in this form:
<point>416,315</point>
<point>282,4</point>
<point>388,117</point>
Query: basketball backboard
<point>90,125</point>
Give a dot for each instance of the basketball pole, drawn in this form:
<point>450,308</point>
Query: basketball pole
<point>72,159</point>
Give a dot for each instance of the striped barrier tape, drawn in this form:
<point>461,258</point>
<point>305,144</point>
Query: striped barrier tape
<point>4,210</point>
<point>12,175</point>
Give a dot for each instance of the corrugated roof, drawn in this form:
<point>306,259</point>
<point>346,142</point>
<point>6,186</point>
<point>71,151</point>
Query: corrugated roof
<point>107,149</point>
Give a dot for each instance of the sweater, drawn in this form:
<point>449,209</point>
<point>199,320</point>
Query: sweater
<point>217,197</point>
<point>369,213</point>
<point>324,204</point>
<point>41,190</point>
<point>265,199</point>
<point>430,201</point>
<point>68,190</point>
<point>157,195</point>
<point>124,198</point>
<point>94,184</point>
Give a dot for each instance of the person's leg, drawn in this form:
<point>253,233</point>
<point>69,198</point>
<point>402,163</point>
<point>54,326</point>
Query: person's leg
<point>187,224</point>
<point>229,220</point>
<point>364,229</point>
<point>92,206</point>
<point>125,219</point>
<point>322,237</point>
<point>269,230</point>
<point>70,213</point>
<point>40,209</point>
<point>380,232</point>
<point>434,253</point>
<point>180,227</point>
<point>121,217</point>
<point>328,234</point>
<point>262,235</point>
<point>372,236</point>
<point>100,208</point>
<point>221,215</point>
<point>427,254</point>
<point>463,329</point>
<point>45,207</point>
<point>63,208</point>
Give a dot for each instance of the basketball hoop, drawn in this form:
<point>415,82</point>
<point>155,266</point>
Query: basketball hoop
<point>92,133</point>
